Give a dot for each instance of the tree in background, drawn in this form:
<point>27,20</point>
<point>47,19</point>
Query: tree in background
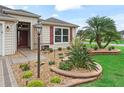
<point>101,30</point>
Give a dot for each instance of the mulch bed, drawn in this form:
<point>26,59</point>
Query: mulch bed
<point>46,73</point>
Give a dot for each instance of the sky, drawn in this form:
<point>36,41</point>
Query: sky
<point>77,14</point>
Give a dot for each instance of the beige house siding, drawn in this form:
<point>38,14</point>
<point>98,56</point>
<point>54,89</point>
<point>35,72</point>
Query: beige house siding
<point>10,38</point>
<point>33,21</point>
<point>45,34</point>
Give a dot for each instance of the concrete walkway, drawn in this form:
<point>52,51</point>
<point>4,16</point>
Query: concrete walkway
<point>25,56</point>
<point>7,78</point>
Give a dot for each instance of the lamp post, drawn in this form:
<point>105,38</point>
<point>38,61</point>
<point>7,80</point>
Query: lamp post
<point>39,29</point>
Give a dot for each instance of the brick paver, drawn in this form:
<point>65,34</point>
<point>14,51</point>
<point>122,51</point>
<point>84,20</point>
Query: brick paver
<point>1,74</point>
<point>7,78</point>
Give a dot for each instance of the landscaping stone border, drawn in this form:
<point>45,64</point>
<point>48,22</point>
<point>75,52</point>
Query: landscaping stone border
<point>78,78</point>
<point>101,51</point>
<point>78,75</point>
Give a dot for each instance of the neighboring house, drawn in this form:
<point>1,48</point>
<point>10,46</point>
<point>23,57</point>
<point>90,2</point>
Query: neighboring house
<point>17,31</point>
<point>122,34</point>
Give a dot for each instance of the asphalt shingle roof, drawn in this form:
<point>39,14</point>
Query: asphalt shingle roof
<point>58,21</point>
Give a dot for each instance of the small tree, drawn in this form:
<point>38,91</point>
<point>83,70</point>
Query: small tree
<point>101,30</point>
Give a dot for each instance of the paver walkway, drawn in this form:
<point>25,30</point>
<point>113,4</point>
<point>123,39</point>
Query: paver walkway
<point>7,78</point>
<point>26,55</point>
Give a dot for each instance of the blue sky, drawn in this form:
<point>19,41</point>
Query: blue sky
<point>77,14</point>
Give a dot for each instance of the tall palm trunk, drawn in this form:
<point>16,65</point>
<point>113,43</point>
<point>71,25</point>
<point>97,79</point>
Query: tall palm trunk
<point>109,40</point>
<point>98,41</point>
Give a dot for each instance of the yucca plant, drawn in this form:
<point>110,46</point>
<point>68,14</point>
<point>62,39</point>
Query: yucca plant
<point>79,56</point>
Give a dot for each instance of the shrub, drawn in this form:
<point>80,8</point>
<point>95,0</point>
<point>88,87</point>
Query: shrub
<point>95,47</point>
<point>24,67</point>
<point>50,50</point>
<point>61,56</point>
<point>27,74</point>
<point>55,79</point>
<point>79,56</point>
<point>109,48</point>
<point>51,62</point>
<point>68,48</point>
<point>65,66</point>
<point>36,83</point>
<point>112,47</point>
<point>59,49</point>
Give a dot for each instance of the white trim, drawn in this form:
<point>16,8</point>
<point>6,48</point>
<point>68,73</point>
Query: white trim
<point>3,37</point>
<point>31,38</point>
<point>62,33</point>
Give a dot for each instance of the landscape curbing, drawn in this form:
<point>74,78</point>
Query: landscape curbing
<point>78,75</point>
<point>79,78</point>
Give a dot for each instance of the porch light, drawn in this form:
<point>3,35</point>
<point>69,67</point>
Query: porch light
<point>38,29</point>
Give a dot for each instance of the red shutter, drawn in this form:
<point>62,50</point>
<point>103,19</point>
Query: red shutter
<point>51,35</point>
<point>71,34</point>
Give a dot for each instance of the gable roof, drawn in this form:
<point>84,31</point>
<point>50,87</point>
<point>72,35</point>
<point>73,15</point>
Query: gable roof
<point>54,21</point>
<point>3,7</point>
<point>20,12</point>
<point>6,10</point>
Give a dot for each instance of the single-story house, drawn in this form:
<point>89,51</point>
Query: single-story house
<point>17,30</point>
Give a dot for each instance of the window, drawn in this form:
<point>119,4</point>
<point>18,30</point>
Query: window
<point>58,35</point>
<point>65,35</point>
<point>61,35</point>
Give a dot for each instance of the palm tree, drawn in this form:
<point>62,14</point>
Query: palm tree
<point>101,29</point>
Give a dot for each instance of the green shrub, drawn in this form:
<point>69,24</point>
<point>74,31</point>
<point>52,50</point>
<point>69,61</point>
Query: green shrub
<point>27,74</point>
<point>51,62</point>
<point>95,47</point>
<point>61,56</point>
<point>109,48</point>
<point>112,47</point>
<point>68,48</point>
<point>59,49</point>
<point>36,83</point>
<point>50,50</point>
<point>80,57</point>
<point>65,66</point>
<point>55,79</point>
<point>24,67</point>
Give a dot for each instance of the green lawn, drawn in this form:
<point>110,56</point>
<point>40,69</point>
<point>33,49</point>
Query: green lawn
<point>113,71</point>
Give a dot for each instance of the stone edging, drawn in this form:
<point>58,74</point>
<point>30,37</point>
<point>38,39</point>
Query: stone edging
<point>93,52</point>
<point>78,75</point>
<point>78,81</point>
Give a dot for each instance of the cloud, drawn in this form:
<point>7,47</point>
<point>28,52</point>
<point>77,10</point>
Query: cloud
<point>119,21</point>
<point>67,7</point>
<point>55,15</point>
<point>25,7</point>
<point>10,6</point>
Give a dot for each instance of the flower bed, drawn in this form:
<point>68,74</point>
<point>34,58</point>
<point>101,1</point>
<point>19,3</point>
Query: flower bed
<point>104,51</point>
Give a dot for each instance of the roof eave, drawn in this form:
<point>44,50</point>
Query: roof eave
<point>2,18</point>
<point>19,13</point>
<point>59,24</point>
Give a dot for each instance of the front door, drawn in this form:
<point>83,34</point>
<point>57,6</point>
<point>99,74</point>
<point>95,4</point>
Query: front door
<point>22,39</point>
<point>23,34</point>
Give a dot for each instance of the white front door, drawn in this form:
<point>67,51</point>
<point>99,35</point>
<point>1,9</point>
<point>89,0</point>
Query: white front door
<point>0,39</point>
